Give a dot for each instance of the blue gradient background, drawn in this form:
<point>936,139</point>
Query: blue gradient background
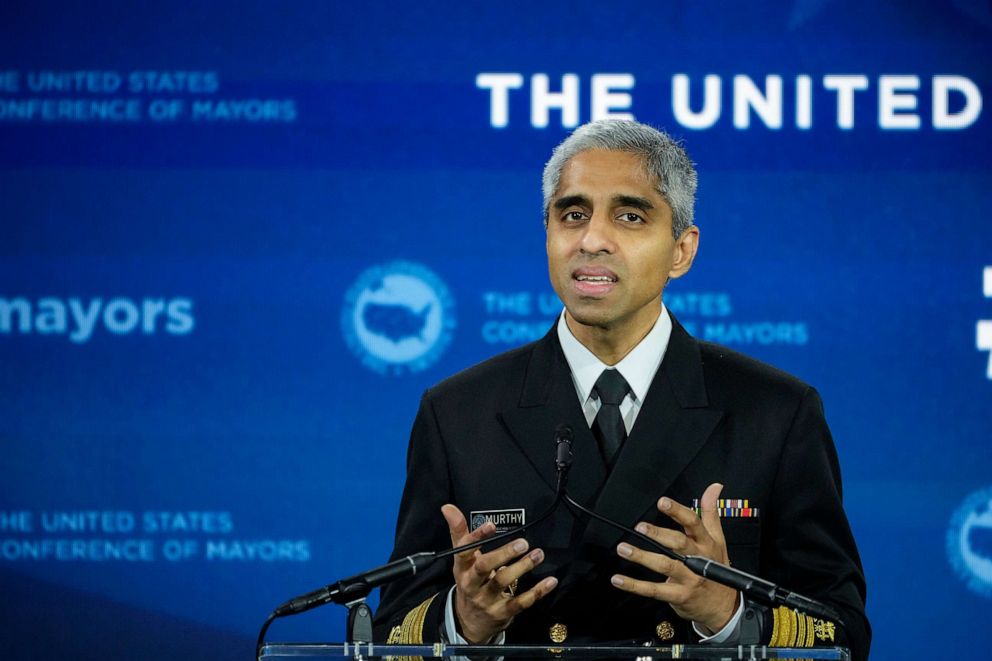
<point>875,239</point>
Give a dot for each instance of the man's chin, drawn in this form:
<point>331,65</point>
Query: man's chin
<point>590,315</point>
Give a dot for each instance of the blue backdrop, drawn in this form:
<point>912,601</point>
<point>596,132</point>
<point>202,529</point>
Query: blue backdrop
<point>239,239</point>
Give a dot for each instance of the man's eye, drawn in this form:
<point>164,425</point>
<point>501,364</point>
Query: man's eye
<point>574,216</point>
<point>631,217</point>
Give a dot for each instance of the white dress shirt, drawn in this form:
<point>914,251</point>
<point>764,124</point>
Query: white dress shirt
<point>638,368</point>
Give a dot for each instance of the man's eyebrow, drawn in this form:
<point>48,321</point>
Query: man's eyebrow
<point>571,201</point>
<point>641,203</point>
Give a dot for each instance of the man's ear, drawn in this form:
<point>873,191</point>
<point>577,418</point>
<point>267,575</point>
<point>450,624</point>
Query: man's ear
<point>685,252</point>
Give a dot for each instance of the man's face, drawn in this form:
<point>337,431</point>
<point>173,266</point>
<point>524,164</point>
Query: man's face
<point>610,244</point>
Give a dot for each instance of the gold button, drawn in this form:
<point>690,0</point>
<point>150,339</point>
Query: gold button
<point>665,630</point>
<point>558,633</point>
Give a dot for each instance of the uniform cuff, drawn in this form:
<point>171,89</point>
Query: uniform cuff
<point>451,634</point>
<point>730,631</point>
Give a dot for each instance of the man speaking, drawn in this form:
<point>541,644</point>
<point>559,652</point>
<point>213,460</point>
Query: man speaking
<point>702,449</point>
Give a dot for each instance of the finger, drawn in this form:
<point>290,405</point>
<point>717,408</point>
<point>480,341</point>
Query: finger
<point>508,574</point>
<point>685,517</point>
<point>459,532</point>
<point>672,539</point>
<point>487,562</point>
<point>669,592</point>
<point>653,561</point>
<point>525,600</point>
<point>710,514</point>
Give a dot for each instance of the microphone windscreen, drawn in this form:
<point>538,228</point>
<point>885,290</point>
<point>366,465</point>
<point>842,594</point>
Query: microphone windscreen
<point>563,447</point>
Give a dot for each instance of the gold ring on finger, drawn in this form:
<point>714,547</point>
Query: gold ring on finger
<point>511,589</point>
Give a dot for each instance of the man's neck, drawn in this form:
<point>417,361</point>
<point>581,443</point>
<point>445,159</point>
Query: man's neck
<point>611,344</point>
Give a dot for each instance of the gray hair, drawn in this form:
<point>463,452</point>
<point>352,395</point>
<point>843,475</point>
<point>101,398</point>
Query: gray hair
<point>664,158</point>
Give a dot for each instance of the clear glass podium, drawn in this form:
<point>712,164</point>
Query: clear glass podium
<point>298,651</point>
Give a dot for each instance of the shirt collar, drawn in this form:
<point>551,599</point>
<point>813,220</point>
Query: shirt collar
<point>638,367</point>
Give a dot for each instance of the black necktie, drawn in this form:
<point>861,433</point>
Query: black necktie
<point>608,427</point>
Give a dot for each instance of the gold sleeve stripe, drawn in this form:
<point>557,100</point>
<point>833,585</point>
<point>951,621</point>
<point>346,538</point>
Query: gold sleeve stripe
<point>792,629</point>
<point>776,629</point>
<point>411,631</point>
<point>788,627</point>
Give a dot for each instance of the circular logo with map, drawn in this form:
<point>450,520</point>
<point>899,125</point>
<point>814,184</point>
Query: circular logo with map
<point>969,541</point>
<point>398,317</point>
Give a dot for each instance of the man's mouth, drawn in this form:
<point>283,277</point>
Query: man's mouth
<point>594,281</point>
<point>594,274</point>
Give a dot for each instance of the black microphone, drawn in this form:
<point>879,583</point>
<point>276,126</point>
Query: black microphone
<point>563,454</point>
<point>758,588</point>
<point>360,585</point>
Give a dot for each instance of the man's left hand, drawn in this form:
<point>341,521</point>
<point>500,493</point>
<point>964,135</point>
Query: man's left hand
<point>692,597</point>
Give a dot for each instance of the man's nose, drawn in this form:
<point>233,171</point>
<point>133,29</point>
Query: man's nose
<point>599,235</point>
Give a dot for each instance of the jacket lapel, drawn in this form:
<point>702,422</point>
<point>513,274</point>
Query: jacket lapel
<point>672,426</point>
<point>547,400</point>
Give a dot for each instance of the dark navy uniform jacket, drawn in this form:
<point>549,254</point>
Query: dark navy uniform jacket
<point>484,440</point>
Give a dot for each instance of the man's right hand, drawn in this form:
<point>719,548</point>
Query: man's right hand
<point>484,605</point>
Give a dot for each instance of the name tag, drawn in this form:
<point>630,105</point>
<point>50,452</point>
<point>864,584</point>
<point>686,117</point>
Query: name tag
<point>503,519</point>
